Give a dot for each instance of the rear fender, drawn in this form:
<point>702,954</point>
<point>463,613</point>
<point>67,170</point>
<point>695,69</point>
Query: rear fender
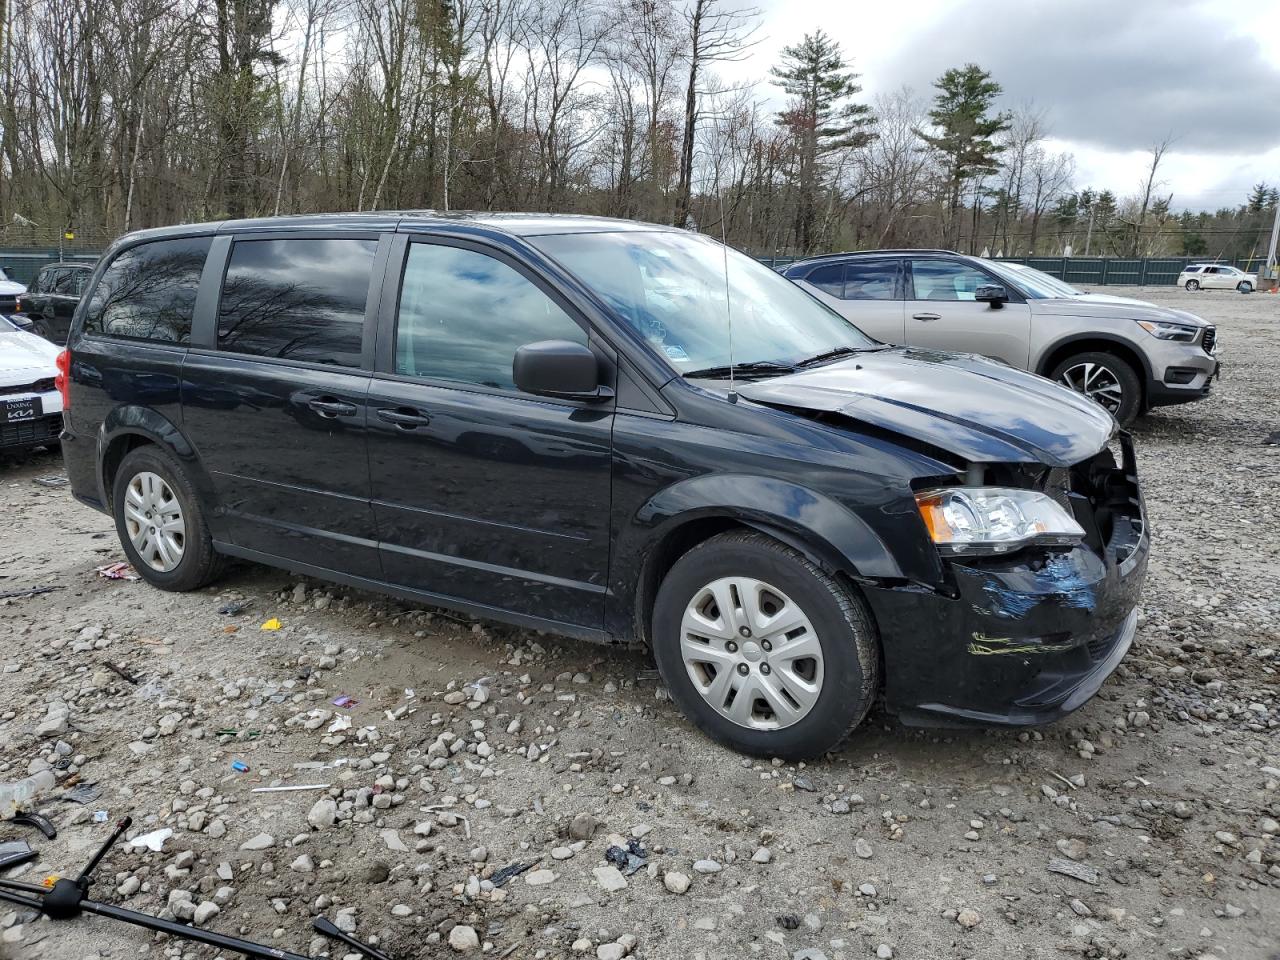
<point>129,425</point>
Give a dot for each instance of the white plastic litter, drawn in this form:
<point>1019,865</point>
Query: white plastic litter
<point>153,841</point>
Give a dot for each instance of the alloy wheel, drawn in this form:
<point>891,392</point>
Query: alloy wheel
<point>1193,284</point>
<point>154,521</point>
<point>1096,382</point>
<point>752,653</point>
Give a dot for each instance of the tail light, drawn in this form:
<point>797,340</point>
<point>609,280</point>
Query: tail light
<point>62,381</point>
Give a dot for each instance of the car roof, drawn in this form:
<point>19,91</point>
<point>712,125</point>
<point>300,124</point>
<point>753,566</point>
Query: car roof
<point>515,224</point>
<point>67,264</point>
<point>860,254</point>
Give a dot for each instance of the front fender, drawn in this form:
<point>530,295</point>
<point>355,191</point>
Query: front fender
<point>837,537</point>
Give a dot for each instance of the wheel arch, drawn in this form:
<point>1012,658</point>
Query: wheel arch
<point>1100,343</point>
<point>681,517</point>
<point>129,427</point>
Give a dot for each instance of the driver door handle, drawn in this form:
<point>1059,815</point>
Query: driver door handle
<point>926,316</point>
<point>406,418</point>
<point>330,407</point>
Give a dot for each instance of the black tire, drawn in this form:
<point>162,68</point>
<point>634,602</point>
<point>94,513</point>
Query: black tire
<point>1244,286</point>
<point>847,637</point>
<point>200,563</point>
<point>1130,386</point>
<point>1192,286</point>
<point>39,328</point>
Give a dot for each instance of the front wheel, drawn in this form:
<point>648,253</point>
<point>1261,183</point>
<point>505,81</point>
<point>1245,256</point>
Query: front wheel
<point>763,650</point>
<point>1192,286</point>
<point>161,522</point>
<point>1244,286</point>
<point>1105,379</point>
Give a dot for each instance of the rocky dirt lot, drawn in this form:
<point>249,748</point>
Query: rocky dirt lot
<point>474,747</point>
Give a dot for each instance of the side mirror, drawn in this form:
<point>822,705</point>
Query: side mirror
<point>558,368</point>
<point>993,294</point>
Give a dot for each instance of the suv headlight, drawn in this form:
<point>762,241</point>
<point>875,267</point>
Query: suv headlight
<point>987,520</point>
<point>1164,330</point>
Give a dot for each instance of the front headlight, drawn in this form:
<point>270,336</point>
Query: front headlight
<point>1164,330</point>
<point>987,520</point>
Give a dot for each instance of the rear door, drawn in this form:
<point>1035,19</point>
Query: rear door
<point>274,394</point>
<point>942,313</point>
<point>60,304</point>
<point>485,496</point>
<point>868,292</point>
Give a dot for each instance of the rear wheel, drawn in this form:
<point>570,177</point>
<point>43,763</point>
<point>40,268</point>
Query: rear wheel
<point>1192,285</point>
<point>1244,286</point>
<point>1105,379</point>
<point>763,650</point>
<point>161,523</point>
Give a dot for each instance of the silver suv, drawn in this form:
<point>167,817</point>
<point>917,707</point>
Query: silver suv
<point>1128,355</point>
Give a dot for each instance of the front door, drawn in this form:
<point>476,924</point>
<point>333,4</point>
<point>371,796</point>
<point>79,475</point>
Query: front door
<point>485,496</point>
<point>275,405</point>
<point>943,315</point>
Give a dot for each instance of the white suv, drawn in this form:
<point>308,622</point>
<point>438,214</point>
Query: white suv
<point>1216,276</point>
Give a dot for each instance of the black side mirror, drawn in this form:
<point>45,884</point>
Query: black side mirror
<point>558,368</point>
<point>993,294</point>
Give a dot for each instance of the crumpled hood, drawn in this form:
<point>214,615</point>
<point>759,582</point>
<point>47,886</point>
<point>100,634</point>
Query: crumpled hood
<point>974,408</point>
<point>24,357</point>
<point>1105,306</point>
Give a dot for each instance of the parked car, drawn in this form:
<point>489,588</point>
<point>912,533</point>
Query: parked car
<point>10,290</point>
<point>30,404</point>
<point>50,301</point>
<point>541,419</point>
<point>1127,355</point>
<point>1216,276</point>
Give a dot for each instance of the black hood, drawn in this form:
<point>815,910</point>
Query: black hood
<point>974,408</point>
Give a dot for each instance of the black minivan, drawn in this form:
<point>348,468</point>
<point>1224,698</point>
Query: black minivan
<point>616,431</point>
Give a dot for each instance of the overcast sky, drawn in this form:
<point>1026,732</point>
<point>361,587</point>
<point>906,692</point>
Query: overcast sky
<point>1113,76</point>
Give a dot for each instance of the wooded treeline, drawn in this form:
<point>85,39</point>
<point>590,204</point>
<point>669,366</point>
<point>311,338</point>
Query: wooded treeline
<point>121,114</point>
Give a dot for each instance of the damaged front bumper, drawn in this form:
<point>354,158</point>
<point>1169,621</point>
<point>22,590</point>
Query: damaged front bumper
<point>1029,638</point>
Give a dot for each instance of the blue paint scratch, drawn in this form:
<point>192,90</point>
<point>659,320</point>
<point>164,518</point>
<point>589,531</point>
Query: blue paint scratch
<point>1059,579</point>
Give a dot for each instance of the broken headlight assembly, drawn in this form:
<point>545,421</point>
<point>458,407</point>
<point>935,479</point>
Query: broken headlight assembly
<point>991,520</point>
<point>1164,330</point>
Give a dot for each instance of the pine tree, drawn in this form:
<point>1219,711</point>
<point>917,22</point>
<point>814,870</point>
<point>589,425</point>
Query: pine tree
<point>1258,197</point>
<point>820,118</point>
<point>964,133</point>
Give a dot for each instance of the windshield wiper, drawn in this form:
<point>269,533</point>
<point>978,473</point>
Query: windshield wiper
<point>752,367</point>
<point>835,354</point>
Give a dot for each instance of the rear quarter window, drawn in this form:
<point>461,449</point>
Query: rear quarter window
<point>149,292</point>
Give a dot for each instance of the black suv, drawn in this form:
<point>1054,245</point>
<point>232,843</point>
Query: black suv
<point>615,431</point>
<point>50,301</point>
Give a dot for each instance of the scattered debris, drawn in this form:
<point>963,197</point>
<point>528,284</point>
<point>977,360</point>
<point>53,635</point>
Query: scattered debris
<point>272,624</point>
<point>345,702</point>
<point>56,480</point>
<point>153,841</point>
<point>628,859</point>
<point>291,789</point>
<point>233,607</point>
<point>501,877</point>
<point>26,592</point>
<point>118,571</point>
<point>239,766</point>
<point>1077,871</point>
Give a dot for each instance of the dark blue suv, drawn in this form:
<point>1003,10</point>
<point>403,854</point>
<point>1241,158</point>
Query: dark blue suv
<point>615,431</point>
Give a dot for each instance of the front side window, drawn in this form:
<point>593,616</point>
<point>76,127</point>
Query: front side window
<point>463,314</point>
<point>149,292</point>
<point>297,299</point>
<point>946,280</point>
<point>686,294</point>
<point>873,280</point>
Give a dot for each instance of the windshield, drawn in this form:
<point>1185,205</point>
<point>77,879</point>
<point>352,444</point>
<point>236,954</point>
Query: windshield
<point>671,288</point>
<point>6,326</point>
<point>1034,283</point>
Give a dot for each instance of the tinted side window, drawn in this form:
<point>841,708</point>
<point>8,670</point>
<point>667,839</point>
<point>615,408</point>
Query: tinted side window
<point>62,281</point>
<point>874,280</point>
<point>296,299</point>
<point>149,291</point>
<point>828,279</point>
<point>464,314</point>
<point>945,280</point>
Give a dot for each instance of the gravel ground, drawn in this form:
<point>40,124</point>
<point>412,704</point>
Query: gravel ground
<point>476,746</point>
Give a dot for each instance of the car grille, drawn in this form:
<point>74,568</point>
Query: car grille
<point>8,304</point>
<point>1210,339</point>
<point>1099,647</point>
<point>44,430</point>
<point>40,386</point>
